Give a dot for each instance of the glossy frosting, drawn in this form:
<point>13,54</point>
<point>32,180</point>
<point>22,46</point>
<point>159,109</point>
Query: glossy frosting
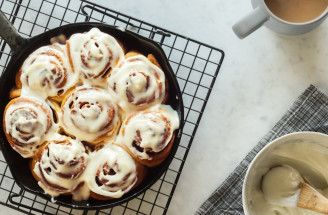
<point>90,114</point>
<point>137,84</point>
<point>29,122</point>
<point>281,185</point>
<point>47,72</point>
<point>308,159</point>
<point>64,167</point>
<point>60,165</point>
<point>111,171</point>
<point>93,53</point>
<point>149,131</point>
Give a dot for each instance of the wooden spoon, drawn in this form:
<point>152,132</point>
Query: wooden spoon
<point>285,186</point>
<point>311,199</point>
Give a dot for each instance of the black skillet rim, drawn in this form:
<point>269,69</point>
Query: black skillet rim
<point>172,83</point>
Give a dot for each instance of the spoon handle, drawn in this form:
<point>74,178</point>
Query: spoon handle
<point>311,199</point>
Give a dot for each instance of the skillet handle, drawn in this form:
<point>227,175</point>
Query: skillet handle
<point>10,34</point>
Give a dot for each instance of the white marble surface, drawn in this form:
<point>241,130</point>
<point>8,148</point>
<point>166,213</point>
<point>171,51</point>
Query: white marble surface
<point>260,78</point>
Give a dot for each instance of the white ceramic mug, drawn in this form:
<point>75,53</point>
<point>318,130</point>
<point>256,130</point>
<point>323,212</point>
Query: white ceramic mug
<point>261,15</point>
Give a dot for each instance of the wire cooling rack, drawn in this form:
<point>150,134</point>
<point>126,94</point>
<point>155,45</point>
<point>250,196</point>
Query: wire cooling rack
<point>195,64</point>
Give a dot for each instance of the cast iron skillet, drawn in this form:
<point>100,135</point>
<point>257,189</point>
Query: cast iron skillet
<point>22,47</point>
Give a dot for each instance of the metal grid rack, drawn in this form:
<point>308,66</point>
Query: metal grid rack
<point>195,64</point>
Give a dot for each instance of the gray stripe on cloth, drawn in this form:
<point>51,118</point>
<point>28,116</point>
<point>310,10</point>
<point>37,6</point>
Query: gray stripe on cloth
<point>308,113</point>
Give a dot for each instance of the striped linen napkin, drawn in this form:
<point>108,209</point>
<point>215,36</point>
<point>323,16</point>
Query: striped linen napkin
<point>308,113</point>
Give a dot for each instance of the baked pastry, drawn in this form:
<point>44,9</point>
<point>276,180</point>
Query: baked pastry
<point>27,123</point>
<point>93,54</point>
<point>148,134</point>
<point>113,172</point>
<point>89,114</point>
<point>58,166</point>
<point>137,83</point>
<point>67,109</point>
<point>47,72</point>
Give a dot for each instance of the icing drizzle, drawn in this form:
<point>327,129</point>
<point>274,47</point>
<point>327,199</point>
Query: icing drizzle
<point>60,164</point>
<point>112,171</point>
<point>149,131</point>
<point>102,86</point>
<point>92,54</point>
<point>47,72</point>
<point>28,122</point>
<point>90,115</point>
<point>137,84</point>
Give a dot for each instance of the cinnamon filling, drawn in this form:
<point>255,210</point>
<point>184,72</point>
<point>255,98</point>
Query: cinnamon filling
<point>86,59</point>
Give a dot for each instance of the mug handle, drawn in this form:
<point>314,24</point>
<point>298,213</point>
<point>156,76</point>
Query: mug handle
<point>250,22</point>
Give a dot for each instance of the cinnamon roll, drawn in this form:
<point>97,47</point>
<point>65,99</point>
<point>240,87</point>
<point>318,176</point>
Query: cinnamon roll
<point>148,134</point>
<point>94,54</point>
<point>47,72</point>
<point>137,83</point>
<point>58,166</point>
<point>89,114</point>
<point>66,112</point>
<point>113,172</point>
<point>27,123</point>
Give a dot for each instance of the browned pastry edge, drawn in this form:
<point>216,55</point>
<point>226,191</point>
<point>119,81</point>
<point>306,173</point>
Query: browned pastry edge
<point>17,78</point>
<point>15,92</point>
<point>59,98</point>
<point>153,60</point>
<point>33,161</point>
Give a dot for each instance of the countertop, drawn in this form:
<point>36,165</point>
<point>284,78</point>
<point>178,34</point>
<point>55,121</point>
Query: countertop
<point>260,78</point>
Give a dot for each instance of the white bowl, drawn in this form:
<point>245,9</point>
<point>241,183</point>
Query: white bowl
<point>267,158</point>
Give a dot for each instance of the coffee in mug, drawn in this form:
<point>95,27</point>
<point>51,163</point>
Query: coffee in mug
<point>288,17</point>
<point>297,11</point>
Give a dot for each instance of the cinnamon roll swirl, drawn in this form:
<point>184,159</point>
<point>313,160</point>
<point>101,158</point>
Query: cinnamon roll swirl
<point>89,114</point>
<point>137,83</point>
<point>93,54</point>
<point>27,122</point>
<point>47,72</point>
<point>113,172</point>
<point>148,134</point>
<point>59,164</point>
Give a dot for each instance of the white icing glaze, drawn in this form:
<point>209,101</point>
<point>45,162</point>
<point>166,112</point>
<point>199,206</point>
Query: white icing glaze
<point>60,166</point>
<point>29,122</point>
<point>95,113</point>
<point>92,53</point>
<point>115,170</point>
<point>137,84</point>
<point>281,186</point>
<point>308,158</point>
<point>89,114</point>
<point>47,72</point>
<point>151,130</point>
